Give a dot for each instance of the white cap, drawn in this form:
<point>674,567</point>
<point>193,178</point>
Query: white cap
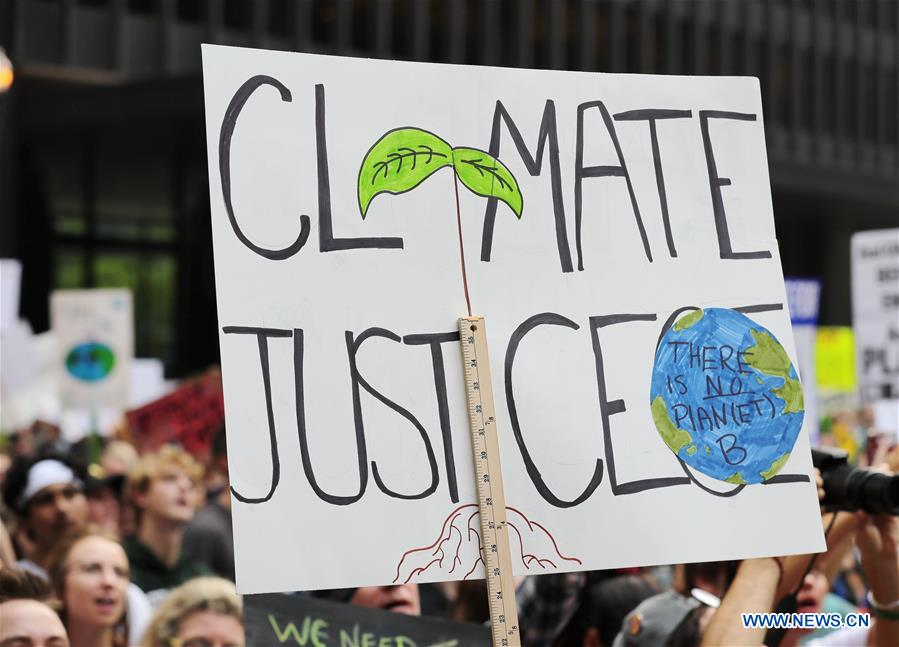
<point>44,474</point>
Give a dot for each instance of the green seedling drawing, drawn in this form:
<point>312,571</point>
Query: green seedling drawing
<point>403,158</point>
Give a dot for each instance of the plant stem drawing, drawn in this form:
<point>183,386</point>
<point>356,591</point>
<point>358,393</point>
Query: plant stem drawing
<point>405,157</point>
<point>536,547</point>
<point>398,162</point>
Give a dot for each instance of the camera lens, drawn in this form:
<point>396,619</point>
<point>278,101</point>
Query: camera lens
<point>873,492</point>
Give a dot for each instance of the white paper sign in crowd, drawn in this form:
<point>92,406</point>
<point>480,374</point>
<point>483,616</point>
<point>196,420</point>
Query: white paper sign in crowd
<point>94,331</point>
<point>804,299</point>
<point>619,239</point>
<point>875,312</point>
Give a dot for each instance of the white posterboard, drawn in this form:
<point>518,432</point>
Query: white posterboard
<point>875,312</point>
<point>803,299</point>
<point>641,200</point>
<point>10,287</point>
<point>94,331</point>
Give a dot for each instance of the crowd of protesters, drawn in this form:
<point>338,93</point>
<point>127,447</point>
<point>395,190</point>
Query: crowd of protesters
<point>131,549</point>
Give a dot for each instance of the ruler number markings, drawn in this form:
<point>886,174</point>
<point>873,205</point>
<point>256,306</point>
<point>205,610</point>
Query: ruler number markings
<point>495,546</point>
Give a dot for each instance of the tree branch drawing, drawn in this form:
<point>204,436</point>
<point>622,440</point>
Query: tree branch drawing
<point>530,542</point>
<point>405,157</point>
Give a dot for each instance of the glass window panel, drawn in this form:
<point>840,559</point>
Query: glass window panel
<point>59,160</point>
<point>151,279</point>
<point>134,193</point>
<point>69,222</point>
<point>116,270</point>
<point>157,307</point>
<point>68,269</point>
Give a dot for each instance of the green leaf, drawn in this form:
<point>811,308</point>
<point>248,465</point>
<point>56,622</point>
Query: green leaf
<point>398,162</point>
<point>487,176</point>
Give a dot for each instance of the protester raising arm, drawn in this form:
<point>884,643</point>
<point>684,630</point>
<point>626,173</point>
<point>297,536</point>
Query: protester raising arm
<point>838,535</point>
<point>752,591</point>
<point>756,588</point>
<point>839,539</point>
<point>878,541</point>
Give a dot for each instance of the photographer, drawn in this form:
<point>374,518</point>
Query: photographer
<point>877,539</point>
<point>760,583</point>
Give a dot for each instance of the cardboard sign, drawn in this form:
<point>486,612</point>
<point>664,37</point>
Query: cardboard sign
<point>837,393</point>
<point>803,297</point>
<point>189,416</point>
<point>302,620</point>
<point>10,287</point>
<point>875,312</point>
<point>619,239</point>
<point>835,358</point>
<point>886,419</point>
<point>94,331</point>
<point>148,382</point>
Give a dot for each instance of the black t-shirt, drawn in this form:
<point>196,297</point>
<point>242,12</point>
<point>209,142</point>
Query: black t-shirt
<point>155,578</point>
<point>209,539</point>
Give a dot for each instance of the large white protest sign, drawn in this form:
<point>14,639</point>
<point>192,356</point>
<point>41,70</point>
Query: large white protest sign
<point>875,312</point>
<point>94,331</point>
<point>599,214</point>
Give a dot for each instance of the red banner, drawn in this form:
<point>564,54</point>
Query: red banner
<point>188,416</point>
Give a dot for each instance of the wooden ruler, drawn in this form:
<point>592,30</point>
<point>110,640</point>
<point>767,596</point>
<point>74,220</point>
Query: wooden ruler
<point>488,473</point>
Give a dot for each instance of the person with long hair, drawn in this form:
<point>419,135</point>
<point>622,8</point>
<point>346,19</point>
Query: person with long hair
<point>90,576</point>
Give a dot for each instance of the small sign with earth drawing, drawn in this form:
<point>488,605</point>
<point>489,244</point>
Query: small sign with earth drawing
<point>94,333</point>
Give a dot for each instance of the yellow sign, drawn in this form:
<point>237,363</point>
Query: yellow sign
<point>6,73</point>
<point>835,358</point>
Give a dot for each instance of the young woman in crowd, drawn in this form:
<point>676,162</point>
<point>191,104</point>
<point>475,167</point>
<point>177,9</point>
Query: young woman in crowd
<point>203,611</point>
<point>90,576</point>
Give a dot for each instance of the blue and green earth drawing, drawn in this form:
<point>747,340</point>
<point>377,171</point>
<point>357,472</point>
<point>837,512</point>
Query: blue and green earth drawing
<point>90,361</point>
<point>725,397</point>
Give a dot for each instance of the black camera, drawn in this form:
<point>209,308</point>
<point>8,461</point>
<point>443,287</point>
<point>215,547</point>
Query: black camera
<point>855,488</point>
